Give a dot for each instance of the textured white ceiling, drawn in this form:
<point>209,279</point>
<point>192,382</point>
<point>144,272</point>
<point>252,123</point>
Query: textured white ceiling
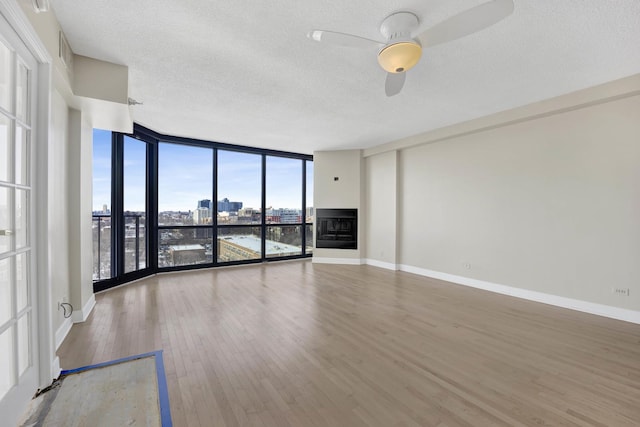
<point>244,72</point>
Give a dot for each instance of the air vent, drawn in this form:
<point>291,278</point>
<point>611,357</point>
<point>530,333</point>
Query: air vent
<point>40,5</point>
<point>65,52</point>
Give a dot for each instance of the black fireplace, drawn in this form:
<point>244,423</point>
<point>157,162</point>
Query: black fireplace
<point>337,228</point>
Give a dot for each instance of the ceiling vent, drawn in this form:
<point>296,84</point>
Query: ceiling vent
<point>65,53</point>
<point>40,5</point>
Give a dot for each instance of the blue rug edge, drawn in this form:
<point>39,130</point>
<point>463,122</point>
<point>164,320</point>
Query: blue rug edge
<point>163,392</point>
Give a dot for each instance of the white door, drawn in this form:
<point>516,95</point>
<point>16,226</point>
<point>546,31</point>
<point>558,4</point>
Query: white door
<point>18,322</point>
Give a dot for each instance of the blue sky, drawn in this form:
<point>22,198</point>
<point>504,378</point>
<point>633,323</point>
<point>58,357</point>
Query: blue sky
<point>185,176</point>
<point>101,169</point>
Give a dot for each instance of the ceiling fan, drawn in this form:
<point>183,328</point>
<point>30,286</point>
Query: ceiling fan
<point>401,49</point>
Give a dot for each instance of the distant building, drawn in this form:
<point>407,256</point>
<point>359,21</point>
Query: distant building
<point>284,216</point>
<point>243,247</point>
<point>187,254</point>
<point>202,215</point>
<point>227,217</point>
<point>225,205</point>
<point>206,203</point>
<point>249,215</point>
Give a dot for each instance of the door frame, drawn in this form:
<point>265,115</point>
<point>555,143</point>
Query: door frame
<point>46,363</point>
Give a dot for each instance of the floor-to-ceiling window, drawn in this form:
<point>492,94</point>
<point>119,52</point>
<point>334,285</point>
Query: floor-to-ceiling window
<point>284,206</point>
<point>185,190</point>
<point>134,206</point>
<point>101,204</point>
<point>239,206</point>
<point>177,203</point>
<point>309,214</point>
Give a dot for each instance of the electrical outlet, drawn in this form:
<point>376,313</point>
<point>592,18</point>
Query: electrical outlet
<point>621,291</point>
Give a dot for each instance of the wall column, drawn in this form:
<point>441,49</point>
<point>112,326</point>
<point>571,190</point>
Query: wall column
<point>80,186</point>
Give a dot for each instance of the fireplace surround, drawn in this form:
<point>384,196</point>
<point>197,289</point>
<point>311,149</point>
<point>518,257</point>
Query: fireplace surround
<point>337,228</point>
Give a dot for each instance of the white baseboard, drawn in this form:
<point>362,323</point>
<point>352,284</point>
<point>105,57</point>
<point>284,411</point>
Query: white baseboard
<point>570,303</point>
<point>381,264</point>
<point>80,316</point>
<point>63,331</point>
<point>347,261</point>
<point>77,316</point>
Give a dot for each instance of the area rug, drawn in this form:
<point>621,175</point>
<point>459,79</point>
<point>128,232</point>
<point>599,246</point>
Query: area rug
<point>126,392</point>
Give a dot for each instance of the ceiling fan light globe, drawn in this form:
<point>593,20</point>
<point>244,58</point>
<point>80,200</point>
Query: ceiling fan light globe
<point>399,57</point>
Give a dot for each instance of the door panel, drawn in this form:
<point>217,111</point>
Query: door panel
<point>18,316</point>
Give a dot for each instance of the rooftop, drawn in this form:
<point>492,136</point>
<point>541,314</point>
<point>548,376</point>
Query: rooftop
<point>253,243</point>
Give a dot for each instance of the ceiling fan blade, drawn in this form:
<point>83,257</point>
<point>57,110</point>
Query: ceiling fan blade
<point>342,39</point>
<point>467,22</point>
<point>393,84</point>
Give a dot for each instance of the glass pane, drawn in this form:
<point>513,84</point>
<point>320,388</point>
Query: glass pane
<point>135,175</point>
<point>22,281</point>
<point>309,238</point>
<point>309,190</point>
<point>5,77</point>
<point>101,204</point>
<point>284,190</point>
<point>22,218</point>
<point>22,94</point>
<point>135,196</point>
<point>185,246</point>
<point>6,232</point>
<point>5,148</point>
<point>185,184</point>
<point>134,242</point>
<point>101,247</point>
<point>22,156</point>
<point>6,362</point>
<point>5,290</point>
<point>283,241</point>
<point>239,243</point>
<point>24,342</point>
<point>239,187</point>
<point>101,172</point>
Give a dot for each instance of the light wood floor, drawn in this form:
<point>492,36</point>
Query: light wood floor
<point>298,344</point>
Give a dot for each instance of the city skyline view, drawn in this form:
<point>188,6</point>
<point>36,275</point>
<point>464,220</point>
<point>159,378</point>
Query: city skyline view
<point>191,225</point>
<point>186,175</point>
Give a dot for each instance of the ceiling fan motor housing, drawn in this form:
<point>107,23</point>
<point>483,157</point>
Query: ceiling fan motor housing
<point>401,52</point>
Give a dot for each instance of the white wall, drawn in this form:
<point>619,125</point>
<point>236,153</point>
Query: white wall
<point>347,192</point>
<point>549,204</point>
<point>380,209</point>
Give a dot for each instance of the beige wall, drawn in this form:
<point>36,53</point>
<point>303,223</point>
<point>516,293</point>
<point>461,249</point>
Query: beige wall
<point>58,199</point>
<point>346,192</point>
<point>80,175</point>
<point>100,80</point>
<point>48,28</point>
<point>549,205</point>
<point>380,208</point>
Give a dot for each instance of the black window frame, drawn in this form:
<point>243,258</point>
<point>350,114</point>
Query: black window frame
<point>152,140</point>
